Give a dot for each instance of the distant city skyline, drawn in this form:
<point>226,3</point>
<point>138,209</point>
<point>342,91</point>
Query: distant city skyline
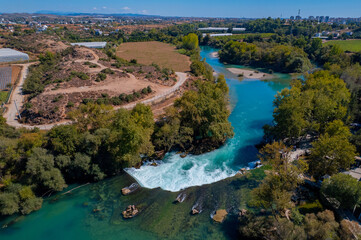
<point>191,8</point>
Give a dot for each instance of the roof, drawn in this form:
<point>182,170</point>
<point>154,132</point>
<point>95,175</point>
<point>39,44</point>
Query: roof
<point>11,55</point>
<point>91,44</point>
<point>212,29</point>
<point>356,173</point>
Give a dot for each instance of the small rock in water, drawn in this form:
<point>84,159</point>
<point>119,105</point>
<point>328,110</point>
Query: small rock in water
<point>242,171</point>
<point>220,215</point>
<point>125,191</point>
<point>195,211</point>
<point>130,212</point>
<point>154,164</point>
<point>132,188</point>
<point>183,155</point>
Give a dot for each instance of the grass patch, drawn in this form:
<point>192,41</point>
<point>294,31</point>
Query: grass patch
<point>311,207</point>
<point>346,45</point>
<point>162,54</point>
<point>3,96</point>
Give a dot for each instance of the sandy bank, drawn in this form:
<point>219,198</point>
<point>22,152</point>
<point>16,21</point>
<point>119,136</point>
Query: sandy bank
<point>250,74</point>
<point>214,54</point>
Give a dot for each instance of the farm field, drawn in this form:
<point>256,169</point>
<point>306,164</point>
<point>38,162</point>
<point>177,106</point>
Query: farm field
<point>162,54</point>
<point>346,45</point>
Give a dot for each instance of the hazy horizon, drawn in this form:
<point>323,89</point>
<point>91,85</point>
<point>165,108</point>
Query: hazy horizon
<point>188,8</point>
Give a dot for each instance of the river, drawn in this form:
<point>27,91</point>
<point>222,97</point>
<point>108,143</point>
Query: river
<point>94,211</point>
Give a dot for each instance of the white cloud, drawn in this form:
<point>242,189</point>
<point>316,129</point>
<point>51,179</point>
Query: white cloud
<point>144,11</point>
<point>104,7</point>
<point>126,8</point>
<point>94,8</point>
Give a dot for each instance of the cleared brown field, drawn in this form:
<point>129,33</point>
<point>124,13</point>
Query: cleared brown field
<point>162,54</point>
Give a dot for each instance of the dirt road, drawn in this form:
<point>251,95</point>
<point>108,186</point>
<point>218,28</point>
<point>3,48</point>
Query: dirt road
<point>17,100</point>
<point>17,97</point>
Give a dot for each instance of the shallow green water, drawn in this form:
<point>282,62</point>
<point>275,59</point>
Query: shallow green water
<point>94,211</point>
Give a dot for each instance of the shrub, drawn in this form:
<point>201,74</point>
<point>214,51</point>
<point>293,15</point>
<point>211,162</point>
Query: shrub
<point>149,89</point>
<point>81,75</point>
<point>107,71</point>
<point>101,77</point>
<point>70,104</point>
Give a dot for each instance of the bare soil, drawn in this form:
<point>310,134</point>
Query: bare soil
<point>68,91</point>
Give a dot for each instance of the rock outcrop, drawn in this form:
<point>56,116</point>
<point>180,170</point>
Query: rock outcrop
<point>130,212</point>
<point>132,188</point>
<point>220,215</point>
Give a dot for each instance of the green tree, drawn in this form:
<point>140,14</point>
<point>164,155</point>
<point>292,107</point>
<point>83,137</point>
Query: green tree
<point>171,133</point>
<point>344,188</point>
<point>63,139</point>
<point>332,151</point>
<point>40,166</point>
<point>131,134</point>
<point>91,116</point>
<point>309,106</point>
<point>275,191</point>
<point>206,112</point>
<point>190,42</point>
<point>9,203</point>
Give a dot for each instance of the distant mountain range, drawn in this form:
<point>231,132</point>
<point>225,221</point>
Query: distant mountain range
<point>93,14</point>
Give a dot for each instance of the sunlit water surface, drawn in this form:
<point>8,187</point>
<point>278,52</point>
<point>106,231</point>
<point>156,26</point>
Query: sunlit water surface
<point>251,103</point>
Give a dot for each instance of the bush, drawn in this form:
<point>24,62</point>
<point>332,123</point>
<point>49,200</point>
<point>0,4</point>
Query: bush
<point>149,89</point>
<point>81,75</point>
<point>137,94</point>
<point>129,98</point>
<point>145,91</point>
<point>57,98</point>
<point>107,71</point>
<point>70,104</point>
<point>101,77</point>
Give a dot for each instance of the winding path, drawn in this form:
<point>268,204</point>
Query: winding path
<point>17,100</point>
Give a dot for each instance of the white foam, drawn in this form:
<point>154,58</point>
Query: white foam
<point>176,173</point>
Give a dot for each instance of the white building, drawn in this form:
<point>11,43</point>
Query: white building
<point>90,44</point>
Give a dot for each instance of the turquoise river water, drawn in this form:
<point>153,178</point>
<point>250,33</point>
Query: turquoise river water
<point>94,211</point>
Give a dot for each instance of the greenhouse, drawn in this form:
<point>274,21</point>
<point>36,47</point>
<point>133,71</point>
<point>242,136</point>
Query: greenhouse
<point>10,55</point>
<point>90,44</point>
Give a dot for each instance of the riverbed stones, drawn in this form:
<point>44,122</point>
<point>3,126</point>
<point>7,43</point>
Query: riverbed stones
<point>130,212</point>
<point>195,211</point>
<point>220,215</point>
<point>125,191</point>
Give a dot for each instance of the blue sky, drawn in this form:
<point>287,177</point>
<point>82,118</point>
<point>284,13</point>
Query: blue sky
<point>198,8</point>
